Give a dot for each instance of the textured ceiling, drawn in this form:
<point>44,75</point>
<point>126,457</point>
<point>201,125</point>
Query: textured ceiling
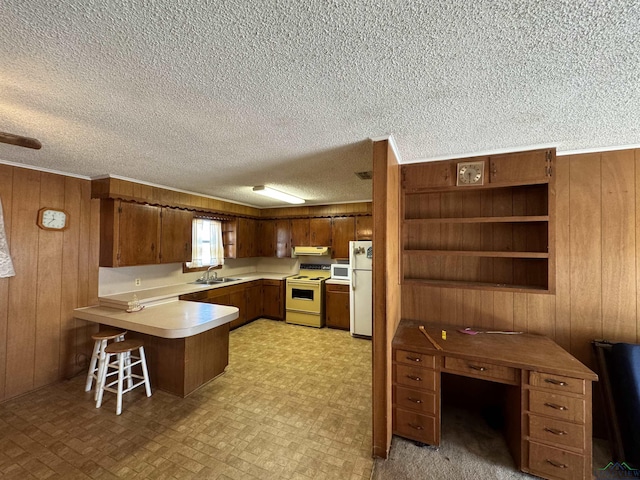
<point>216,97</point>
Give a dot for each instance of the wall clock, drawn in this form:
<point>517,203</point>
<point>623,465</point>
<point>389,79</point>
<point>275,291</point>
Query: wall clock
<point>470,173</point>
<point>52,219</point>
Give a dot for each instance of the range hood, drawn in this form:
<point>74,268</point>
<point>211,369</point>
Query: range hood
<point>310,251</point>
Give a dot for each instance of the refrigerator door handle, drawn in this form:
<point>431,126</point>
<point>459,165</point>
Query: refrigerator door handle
<point>353,280</point>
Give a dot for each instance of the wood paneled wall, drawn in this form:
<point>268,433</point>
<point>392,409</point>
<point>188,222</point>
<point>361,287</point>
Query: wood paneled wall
<point>40,341</point>
<point>597,264</point>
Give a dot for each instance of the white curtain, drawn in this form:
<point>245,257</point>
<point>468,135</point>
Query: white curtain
<point>207,243</point>
<point>6,265</point>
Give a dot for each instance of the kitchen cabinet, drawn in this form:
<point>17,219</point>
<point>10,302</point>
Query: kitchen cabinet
<point>300,232</point>
<point>138,234</point>
<point>364,227</point>
<point>239,238</point>
<point>522,167</point>
<point>492,236</point>
<point>238,298</point>
<point>337,306</point>
<point>176,235</point>
<point>253,299</point>
<point>343,231</point>
<point>283,238</point>
<point>266,241</point>
<point>273,299</point>
<point>320,232</point>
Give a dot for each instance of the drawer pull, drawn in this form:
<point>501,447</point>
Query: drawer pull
<point>416,427</point>
<point>414,378</point>
<point>414,400</point>
<point>476,367</point>
<point>556,382</point>
<point>556,406</point>
<point>557,464</point>
<point>414,359</point>
<point>555,431</point>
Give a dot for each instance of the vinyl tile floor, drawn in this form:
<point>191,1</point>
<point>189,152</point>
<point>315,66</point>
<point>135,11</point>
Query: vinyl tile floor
<point>294,403</point>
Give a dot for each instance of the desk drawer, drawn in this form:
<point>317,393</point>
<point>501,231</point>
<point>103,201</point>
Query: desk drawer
<point>415,426</point>
<point>556,431</point>
<point>555,463</point>
<point>417,359</point>
<point>557,383</point>
<point>424,402</point>
<point>415,377</point>
<point>557,406</point>
<point>471,368</point>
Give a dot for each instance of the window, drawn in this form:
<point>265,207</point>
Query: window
<point>207,247</point>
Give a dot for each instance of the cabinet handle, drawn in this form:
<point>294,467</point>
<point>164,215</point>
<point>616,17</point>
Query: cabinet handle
<point>553,381</point>
<point>557,464</point>
<point>414,378</point>
<point>555,431</point>
<point>414,359</point>
<point>556,406</point>
<point>476,367</point>
<point>416,427</point>
<point>414,400</point>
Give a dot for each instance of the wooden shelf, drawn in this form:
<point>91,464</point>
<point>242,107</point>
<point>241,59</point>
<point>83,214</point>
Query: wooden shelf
<point>512,219</point>
<point>477,285</point>
<point>477,253</point>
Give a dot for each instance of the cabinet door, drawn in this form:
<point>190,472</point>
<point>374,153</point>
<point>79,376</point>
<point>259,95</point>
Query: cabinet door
<point>266,238</point>
<point>246,238</point>
<point>138,234</point>
<point>300,232</point>
<point>229,236</point>
<point>238,299</point>
<point>521,167</point>
<point>283,238</point>
<point>176,230</point>
<point>423,176</point>
<point>254,300</point>
<point>342,232</point>
<point>320,232</point>
<point>364,227</point>
<point>273,299</point>
<point>337,306</point>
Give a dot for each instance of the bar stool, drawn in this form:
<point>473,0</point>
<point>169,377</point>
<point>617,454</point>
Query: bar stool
<point>122,366</point>
<point>97,357</point>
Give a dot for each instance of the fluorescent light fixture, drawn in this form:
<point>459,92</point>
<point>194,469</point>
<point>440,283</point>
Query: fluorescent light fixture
<point>270,192</point>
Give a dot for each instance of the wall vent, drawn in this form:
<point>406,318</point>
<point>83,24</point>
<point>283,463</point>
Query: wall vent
<point>365,175</point>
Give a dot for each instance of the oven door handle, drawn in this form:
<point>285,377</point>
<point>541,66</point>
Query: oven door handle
<point>303,284</point>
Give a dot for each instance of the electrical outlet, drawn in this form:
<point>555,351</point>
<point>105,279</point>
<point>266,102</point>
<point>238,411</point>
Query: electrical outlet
<point>138,282</point>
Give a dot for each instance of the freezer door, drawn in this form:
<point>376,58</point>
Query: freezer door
<point>361,303</point>
<point>361,255</point>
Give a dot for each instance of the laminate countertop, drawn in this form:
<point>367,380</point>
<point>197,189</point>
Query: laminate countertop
<point>174,319</point>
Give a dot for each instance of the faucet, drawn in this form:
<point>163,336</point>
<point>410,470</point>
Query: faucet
<point>215,274</point>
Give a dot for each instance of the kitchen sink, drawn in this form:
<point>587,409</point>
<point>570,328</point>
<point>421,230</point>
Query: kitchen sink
<point>214,281</point>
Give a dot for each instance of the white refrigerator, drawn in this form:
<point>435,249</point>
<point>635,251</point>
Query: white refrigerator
<point>360,293</point>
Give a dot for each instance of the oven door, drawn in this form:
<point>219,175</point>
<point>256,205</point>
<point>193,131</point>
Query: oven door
<point>303,296</point>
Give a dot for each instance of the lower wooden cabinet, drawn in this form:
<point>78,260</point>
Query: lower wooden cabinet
<point>337,306</point>
<point>273,299</point>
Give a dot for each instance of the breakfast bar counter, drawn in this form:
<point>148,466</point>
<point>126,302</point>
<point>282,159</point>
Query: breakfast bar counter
<point>186,343</point>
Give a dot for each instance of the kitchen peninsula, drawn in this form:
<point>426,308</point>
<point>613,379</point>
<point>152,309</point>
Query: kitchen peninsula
<point>186,343</point>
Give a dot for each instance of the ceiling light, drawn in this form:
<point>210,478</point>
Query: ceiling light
<point>270,192</point>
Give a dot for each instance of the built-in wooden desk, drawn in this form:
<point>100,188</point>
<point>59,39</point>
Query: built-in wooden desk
<point>548,399</point>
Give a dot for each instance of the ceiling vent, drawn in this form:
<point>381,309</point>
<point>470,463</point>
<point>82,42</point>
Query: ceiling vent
<point>365,175</point>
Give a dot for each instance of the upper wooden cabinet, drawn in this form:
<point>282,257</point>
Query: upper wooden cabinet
<point>266,241</point>
<point>497,236</point>
<point>239,238</point>
<point>300,232</point>
<point>283,238</point>
<point>364,227</point>
<point>176,235</point>
<point>320,232</point>
<point>343,231</point>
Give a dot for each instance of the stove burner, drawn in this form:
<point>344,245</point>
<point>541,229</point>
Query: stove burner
<point>317,278</point>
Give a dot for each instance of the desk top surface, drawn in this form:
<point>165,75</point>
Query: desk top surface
<point>524,351</point>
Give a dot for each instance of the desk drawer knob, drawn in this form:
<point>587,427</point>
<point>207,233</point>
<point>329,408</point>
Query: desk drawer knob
<point>414,400</point>
<point>555,431</point>
<point>414,378</point>
<point>553,381</point>
<point>556,406</point>
<point>476,367</point>
<point>557,464</point>
<point>414,359</point>
<point>416,427</point>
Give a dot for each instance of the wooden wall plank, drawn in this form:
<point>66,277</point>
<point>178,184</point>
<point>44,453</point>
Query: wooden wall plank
<point>6,192</point>
<point>619,246</point>
<point>21,329</point>
<point>563,252</point>
<point>585,204</point>
<point>503,311</point>
<point>48,286</point>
